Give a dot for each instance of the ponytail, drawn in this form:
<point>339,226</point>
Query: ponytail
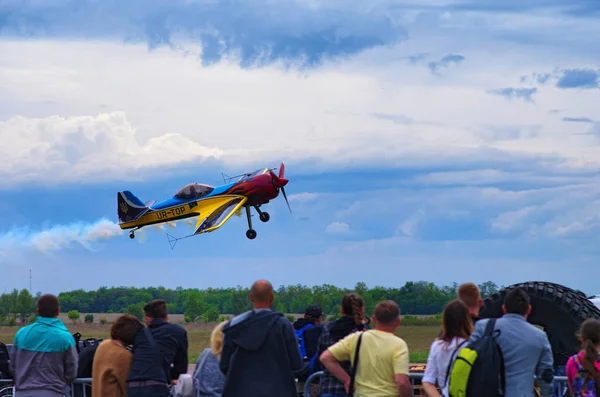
<point>590,335</point>
<point>589,362</point>
<point>356,305</point>
<point>352,304</point>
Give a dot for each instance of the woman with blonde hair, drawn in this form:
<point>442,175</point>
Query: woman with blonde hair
<point>208,378</point>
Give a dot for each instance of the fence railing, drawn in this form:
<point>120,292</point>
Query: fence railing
<point>560,384</point>
<point>82,386</point>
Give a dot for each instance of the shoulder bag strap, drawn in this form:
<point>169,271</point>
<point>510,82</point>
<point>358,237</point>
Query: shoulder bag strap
<point>451,360</point>
<point>355,366</point>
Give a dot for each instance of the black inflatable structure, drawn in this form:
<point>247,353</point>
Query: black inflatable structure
<point>557,309</point>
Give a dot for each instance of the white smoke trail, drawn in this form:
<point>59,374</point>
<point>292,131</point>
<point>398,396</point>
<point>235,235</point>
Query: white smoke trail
<point>59,237</point>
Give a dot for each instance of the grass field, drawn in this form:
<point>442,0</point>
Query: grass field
<point>418,337</point>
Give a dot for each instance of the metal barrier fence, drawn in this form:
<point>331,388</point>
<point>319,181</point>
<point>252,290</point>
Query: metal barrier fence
<point>82,386</point>
<point>560,384</point>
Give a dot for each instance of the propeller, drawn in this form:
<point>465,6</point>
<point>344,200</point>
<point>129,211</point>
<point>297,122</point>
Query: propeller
<point>279,182</point>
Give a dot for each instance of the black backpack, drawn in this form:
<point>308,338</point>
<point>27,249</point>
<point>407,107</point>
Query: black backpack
<point>479,367</point>
<point>87,349</point>
<point>4,362</point>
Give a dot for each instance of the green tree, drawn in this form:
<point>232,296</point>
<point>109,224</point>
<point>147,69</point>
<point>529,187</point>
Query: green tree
<point>488,289</point>
<point>89,318</point>
<point>212,314</point>
<point>136,311</point>
<point>25,305</point>
<point>195,307</point>
<point>73,315</point>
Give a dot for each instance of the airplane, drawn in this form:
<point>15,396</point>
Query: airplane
<point>212,205</point>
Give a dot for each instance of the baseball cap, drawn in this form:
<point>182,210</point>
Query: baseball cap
<point>314,311</point>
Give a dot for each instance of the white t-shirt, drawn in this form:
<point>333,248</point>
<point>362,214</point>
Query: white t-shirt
<point>440,354</point>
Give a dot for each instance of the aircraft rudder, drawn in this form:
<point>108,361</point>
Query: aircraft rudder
<point>129,207</point>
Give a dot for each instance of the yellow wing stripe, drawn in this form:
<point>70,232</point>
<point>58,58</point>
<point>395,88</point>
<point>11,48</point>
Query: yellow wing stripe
<point>225,210</point>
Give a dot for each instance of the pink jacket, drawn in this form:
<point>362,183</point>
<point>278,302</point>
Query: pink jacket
<point>572,369</point>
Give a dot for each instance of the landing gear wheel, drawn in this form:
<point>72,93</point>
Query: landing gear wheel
<point>251,234</point>
<point>131,235</point>
<point>557,309</point>
<point>264,216</point>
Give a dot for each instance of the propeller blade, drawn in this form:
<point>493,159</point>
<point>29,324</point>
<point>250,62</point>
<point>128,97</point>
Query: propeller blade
<point>286,199</point>
<point>281,170</point>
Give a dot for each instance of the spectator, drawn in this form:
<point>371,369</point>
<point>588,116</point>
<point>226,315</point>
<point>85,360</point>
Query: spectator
<point>457,327</point>
<point>112,360</point>
<point>471,296</point>
<point>159,354</point>
<point>525,348</point>
<point>585,365</point>
<point>382,368</point>
<point>208,378</point>
<point>44,356</point>
<point>309,328</point>
<point>353,316</point>
<point>260,350</point>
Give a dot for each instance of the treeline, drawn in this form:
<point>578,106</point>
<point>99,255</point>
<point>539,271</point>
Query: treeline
<point>17,306</point>
<point>414,298</point>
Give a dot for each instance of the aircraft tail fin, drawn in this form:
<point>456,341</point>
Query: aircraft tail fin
<point>129,206</point>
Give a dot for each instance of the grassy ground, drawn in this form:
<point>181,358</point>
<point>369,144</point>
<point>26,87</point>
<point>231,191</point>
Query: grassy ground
<point>418,337</point>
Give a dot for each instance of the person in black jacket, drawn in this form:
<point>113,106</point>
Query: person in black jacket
<point>313,316</point>
<point>260,354</point>
<point>160,354</point>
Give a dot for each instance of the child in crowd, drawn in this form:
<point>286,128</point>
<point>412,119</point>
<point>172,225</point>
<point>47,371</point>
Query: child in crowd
<point>583,367</point>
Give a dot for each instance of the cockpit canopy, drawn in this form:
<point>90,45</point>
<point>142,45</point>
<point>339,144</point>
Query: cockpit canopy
<point>193,190</point>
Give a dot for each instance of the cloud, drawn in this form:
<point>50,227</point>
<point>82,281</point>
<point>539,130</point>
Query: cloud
<point>255,33</point>
<point>445,62</point>
<point>303,197</point>
<point>516,93</point>
<point>337,228</point>
<point>395,118</point>
<point>577,119</point>
<point>416,58</point>
<point>74,148</point>
<point>536,78</point>
<point>579,78</point>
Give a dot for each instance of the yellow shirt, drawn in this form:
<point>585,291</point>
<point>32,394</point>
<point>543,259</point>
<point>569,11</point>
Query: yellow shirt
<point>381,356</point>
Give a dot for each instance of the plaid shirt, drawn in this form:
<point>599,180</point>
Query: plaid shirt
<point>329,384</point>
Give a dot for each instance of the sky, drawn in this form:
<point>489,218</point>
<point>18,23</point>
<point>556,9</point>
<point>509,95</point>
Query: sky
<point>439,140</point>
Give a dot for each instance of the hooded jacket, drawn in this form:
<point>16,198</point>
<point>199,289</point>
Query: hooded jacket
<point>260,355</point>
<point>43,358</point>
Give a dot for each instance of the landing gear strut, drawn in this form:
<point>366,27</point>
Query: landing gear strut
<point>251,234</point>
<point>264,216</point>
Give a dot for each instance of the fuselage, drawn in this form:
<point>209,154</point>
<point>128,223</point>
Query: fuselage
<point>258,187</point>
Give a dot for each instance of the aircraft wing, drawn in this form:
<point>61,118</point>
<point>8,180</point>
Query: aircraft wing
<point>216,212</point>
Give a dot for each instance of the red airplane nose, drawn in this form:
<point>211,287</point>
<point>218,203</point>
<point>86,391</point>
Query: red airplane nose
<point>282,182</point>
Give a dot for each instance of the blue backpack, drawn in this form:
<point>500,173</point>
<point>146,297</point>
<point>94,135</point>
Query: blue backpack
<point>300,338</point>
